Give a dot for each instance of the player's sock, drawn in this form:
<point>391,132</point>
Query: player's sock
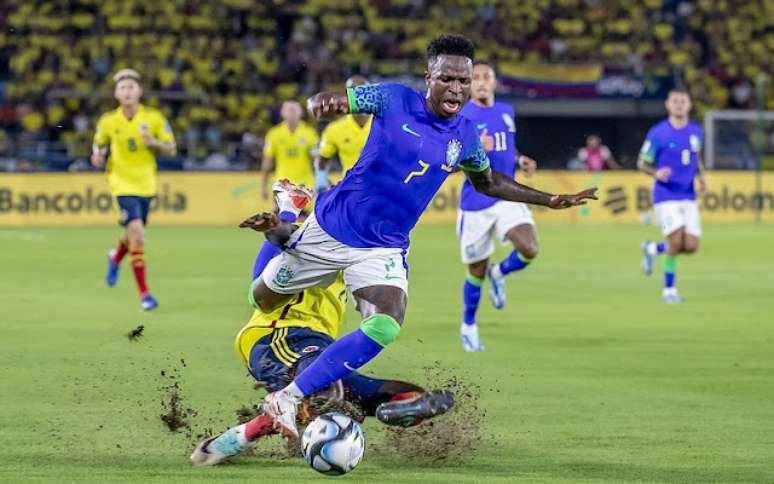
<point>288,216</point>
<point>669,265</point>
<point>258,427</point>
<point>514,262</point>
<point>347,354</point>
<point>137,256</point>
<point>655,248</point>
<point>121,249</point>
<point>471,296</point>
<point>268,252</point>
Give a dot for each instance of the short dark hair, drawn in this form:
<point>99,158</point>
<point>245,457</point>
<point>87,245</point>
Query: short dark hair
<point>450,44</point>
<point>483,63</point>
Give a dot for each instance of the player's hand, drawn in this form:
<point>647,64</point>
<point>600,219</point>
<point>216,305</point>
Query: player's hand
<point>327,105</point>
<point>487,140</point>
<point>261,222</point>
<point>527,165</point>
<point>702,184</point>
<point>98,159</point>
<point>567,201</point>
<point>147,138</point>
<point>663,174</point>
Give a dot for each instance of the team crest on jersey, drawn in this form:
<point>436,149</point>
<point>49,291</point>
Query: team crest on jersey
<point>508,120</point>
<point>453,150</point>
<point>284,275</point>
<point>310,349</point>
<point>695,143</point>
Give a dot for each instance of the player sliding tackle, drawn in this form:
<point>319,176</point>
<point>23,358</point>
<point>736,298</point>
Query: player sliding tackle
<point>276,345</point>
<point>361,226</point>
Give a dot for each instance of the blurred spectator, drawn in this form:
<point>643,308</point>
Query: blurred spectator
<point>595,156</point>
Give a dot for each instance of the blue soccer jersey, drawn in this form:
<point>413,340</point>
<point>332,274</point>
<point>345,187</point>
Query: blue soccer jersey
<point>679,150</point>
<point>408,155</point>
<point>498,121</point>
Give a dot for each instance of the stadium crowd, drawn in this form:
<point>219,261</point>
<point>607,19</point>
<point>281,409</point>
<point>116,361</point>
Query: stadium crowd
<point>218,70</point>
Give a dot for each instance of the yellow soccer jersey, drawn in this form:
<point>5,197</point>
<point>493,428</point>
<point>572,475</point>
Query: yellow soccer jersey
<point>292,152</point>
<point>131,168</point>
<point>317,308</point>
<point>345,137</point>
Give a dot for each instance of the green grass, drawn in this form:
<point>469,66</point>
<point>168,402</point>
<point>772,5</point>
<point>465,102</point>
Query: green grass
<point>587,376</point>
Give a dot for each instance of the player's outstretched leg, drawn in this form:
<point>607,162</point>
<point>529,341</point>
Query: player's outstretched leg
<point>669,264</point>
<point>234,441</point>
<point>649,252</point>
<point>525,245</point>
<point>471,295</point>
<point>406,410</point>
<point>115,256</point>
<point>384,307</point>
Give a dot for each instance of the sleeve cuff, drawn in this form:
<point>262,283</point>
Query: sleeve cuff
<point>352,101</point>
<point>250,297</point>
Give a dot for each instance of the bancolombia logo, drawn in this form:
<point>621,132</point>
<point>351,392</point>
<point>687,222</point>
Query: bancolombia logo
<point>87,200</point>
<point>723,201</point>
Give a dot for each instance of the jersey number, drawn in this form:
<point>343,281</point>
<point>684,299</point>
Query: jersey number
<point>501,143</point>
<point>292,152</point>
<point>686,157</point>
<point>420,172</point>
<point>132,144</point>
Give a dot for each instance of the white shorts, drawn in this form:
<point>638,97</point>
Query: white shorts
<point>476,229</point>
<point>676,214</point>
<point>314,258</point>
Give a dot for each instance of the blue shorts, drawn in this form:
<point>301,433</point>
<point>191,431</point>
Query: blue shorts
<point>277,357</point>
<point>133,208</point>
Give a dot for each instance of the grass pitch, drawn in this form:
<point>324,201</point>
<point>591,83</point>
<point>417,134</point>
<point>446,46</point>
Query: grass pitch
<point>587,376</point>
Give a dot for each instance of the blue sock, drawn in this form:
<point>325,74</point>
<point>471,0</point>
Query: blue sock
<point>268,252</point>
<point>514,262</point>
<point>341,358</point>
<point>669,279</point>
<point>288,216</point>
<point>471,295</point>
<point>661,247</point>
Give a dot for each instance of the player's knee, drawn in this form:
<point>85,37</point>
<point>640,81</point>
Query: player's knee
<point>529,249</point>
<point>689,247</point>
<point>478,269</point>
<point>381,328</point>
<point>135,233</point>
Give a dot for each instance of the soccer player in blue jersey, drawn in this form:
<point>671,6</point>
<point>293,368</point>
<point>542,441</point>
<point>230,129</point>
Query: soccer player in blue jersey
<point>482,217</point>
<point>671,154</point>
<point>361,226</point>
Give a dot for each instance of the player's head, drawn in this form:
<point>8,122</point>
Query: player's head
<point>127,91</point>
<point>592,141</point>
<point>291,112</point>
<point>678,103</point>
<point>484,83</point>
<point>449,74</point>
<point>356,80</point>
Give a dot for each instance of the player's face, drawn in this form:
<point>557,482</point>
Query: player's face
<point>291,112</point>
<point>448,84</point>
<point>678,104</point>
<point>128,92</point>
<point>484,83</point>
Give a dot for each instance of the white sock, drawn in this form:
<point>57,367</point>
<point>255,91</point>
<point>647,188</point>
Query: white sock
<point>496,272</point>
<point>651,248</point>
<point>469,328</point>
<point>294,391</point>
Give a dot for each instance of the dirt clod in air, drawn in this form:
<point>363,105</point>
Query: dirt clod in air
<point>136,333</point>
<point>174,413</point>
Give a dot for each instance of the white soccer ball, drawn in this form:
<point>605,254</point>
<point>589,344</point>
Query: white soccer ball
<point>333,444</point>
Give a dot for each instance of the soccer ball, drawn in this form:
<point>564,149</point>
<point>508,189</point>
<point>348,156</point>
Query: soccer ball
<point>333,444</point>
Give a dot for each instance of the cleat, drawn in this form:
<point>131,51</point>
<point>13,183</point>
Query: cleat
<point>470,340</point>
<point>149,302</point>
<point>647,258</point>
<point>406,413</point>
<point>291,198</point>
<point>112,273</point>
<point>671,296</point>
<point>282,408</point>
<point>496,289</point>
<point>214,450</point>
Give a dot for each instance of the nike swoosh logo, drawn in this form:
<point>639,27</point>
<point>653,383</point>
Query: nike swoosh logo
<point>406,128</point>
<point>388,278</point>
<point>346,365</point>
<point>481,126</point>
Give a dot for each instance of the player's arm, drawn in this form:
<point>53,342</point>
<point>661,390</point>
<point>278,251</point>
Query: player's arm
<point>99,148</point>
<point>610,159</point>
<point>700,173</point>
<point>646,162</point>
<point>276,230</point>
<point>160,137</point>
<point>327,151</point>
<point>365,99</point>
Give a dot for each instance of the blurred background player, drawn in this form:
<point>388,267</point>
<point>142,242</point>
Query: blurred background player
<point>289,149</point>
<point>481,217</point>
<point>671,154</point>
<point>274,346</point>
<point>595,156</point>
<point>344,137</point>
<point>134,133</point>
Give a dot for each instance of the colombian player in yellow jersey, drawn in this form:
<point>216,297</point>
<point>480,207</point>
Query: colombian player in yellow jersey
<point>276,345</point>
<point>289,149</point>
<point>128,138</point>
<point>344,137</point>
